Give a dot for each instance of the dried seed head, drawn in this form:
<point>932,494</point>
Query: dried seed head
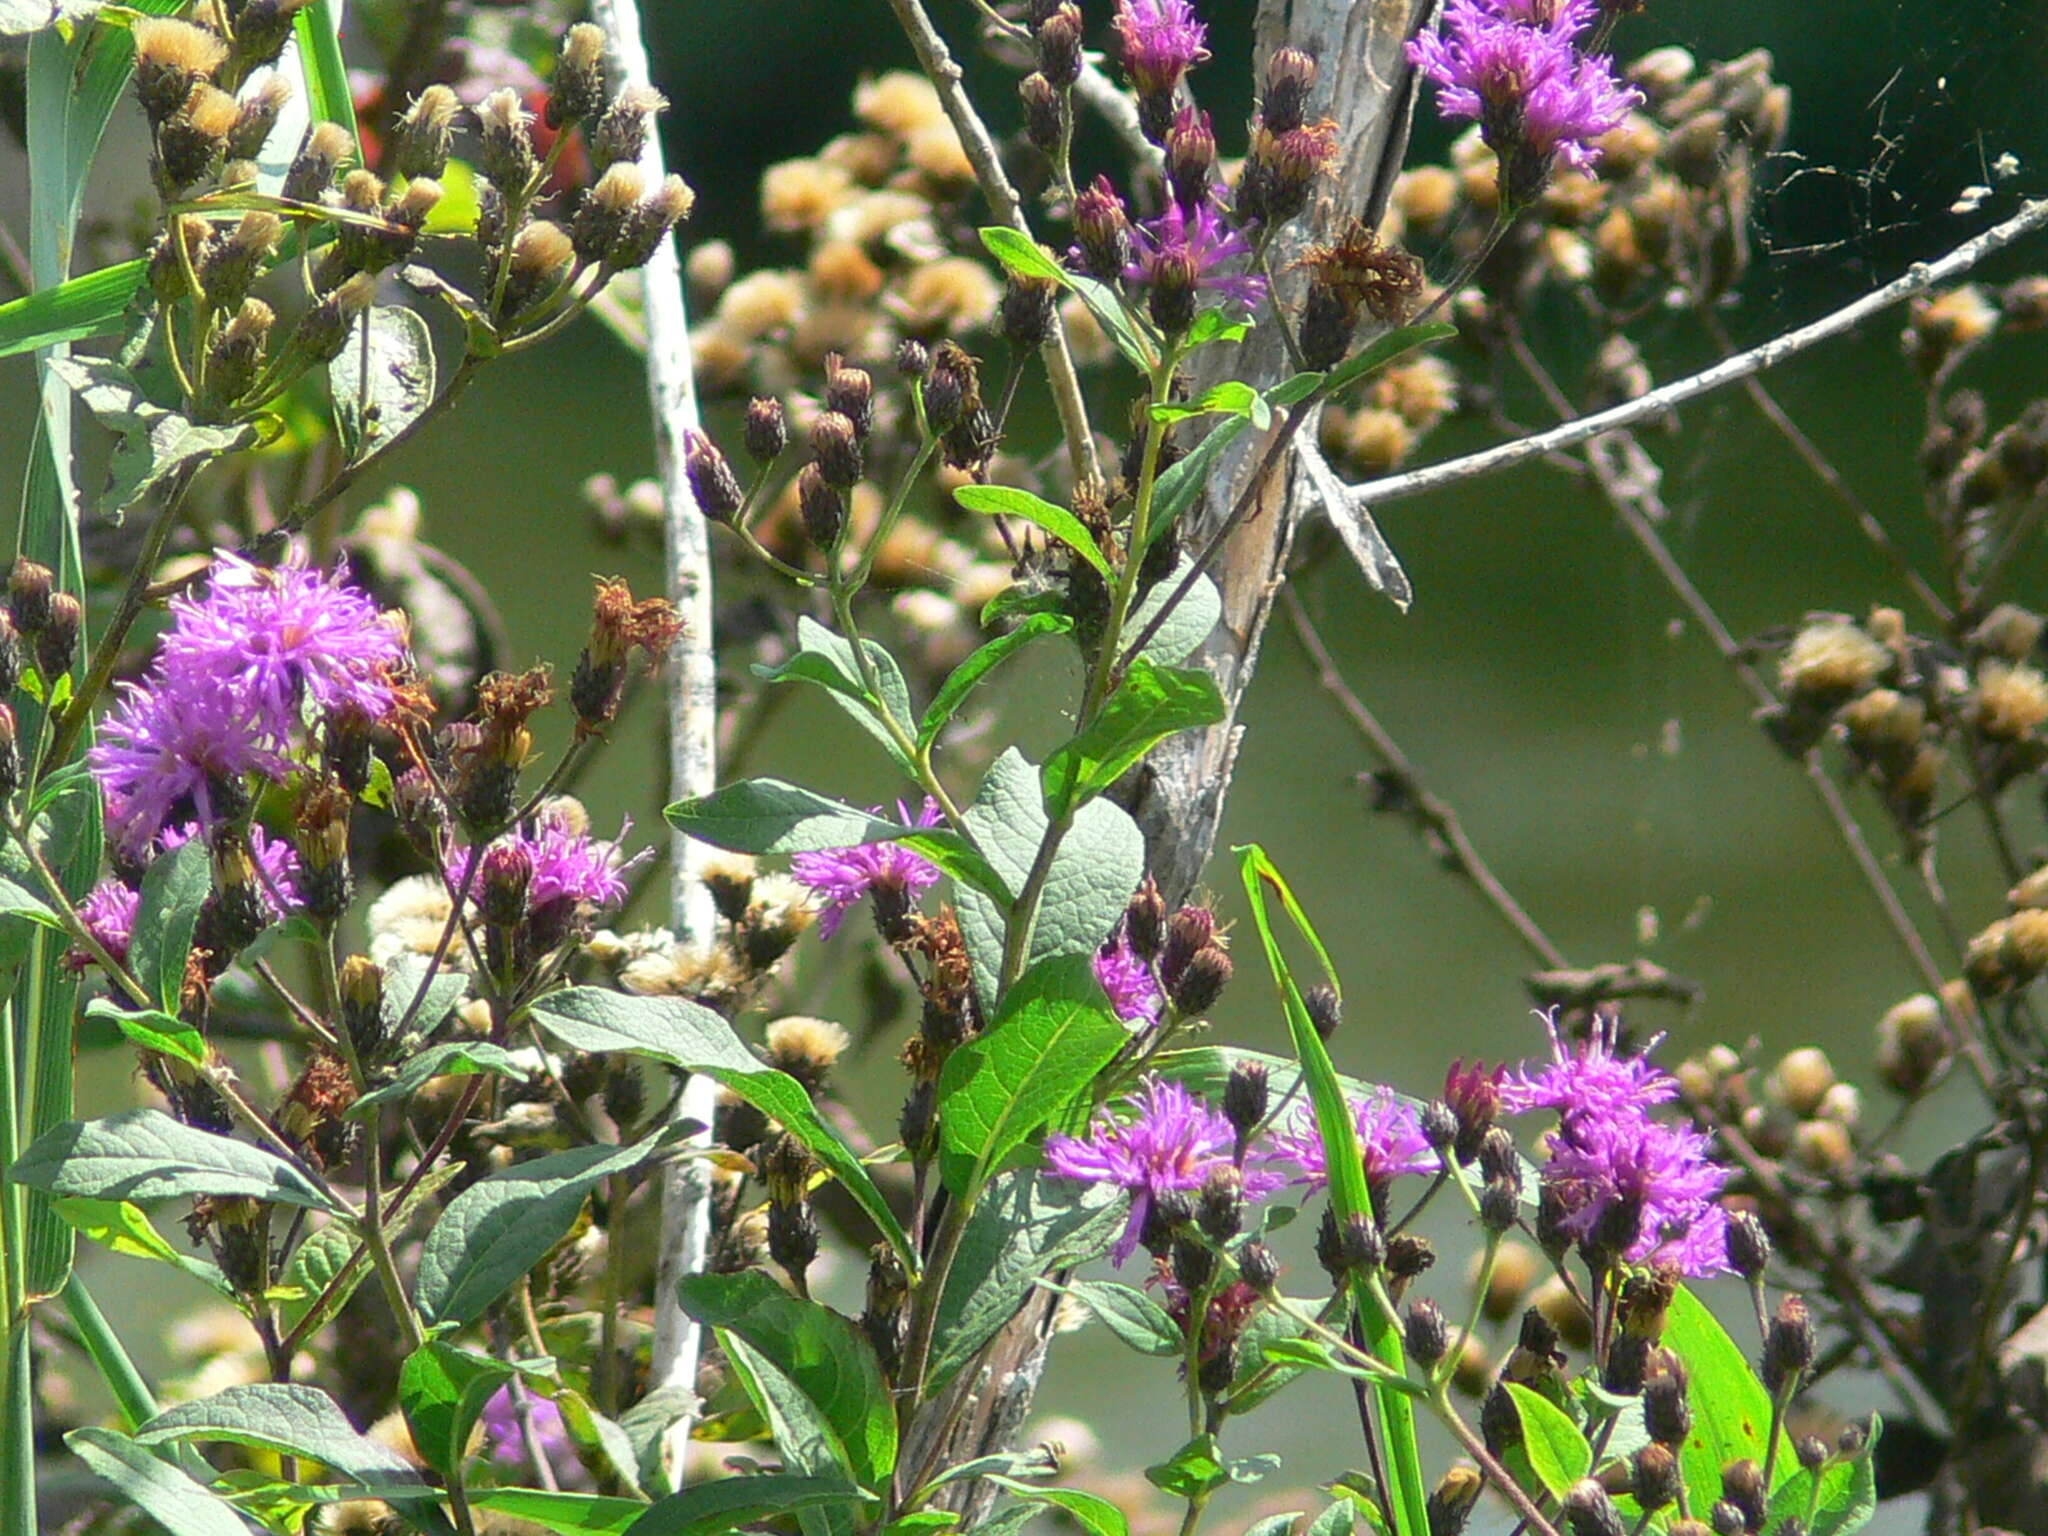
<point>578,88</point>
<point>321,154</point>
<point>2011,701</point>
<point>193,141</point>
<point>1831,660</point>
<point>542,254</point>
<point>257,115</point>
<point>232,263</point>
<point>426,133</point>
<point>238,350</point>
<point>506,155</point>
<point>621,134</point>
<point>263,28</point>
<point>1350,276</point>
<point>650,222</point>
<point>1588,1511</point>
<point>602,214</point>
<point>1453,1499</point>
<point>170,58</point>
<point>324,329</point>
<point>805,1048</point>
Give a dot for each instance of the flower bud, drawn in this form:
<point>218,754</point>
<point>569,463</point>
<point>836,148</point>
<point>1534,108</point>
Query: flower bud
<point>1190,158</point>
<point>1667,1410</point>
<point>1500,1205</point>
<point>1654,1476</point>
<point>1913,1045</point>
<point>1102,231</point>
<point>1258,1267</point>
<point>913,358</point>
<point>1628,1358</point>
<point>1198,987</point>
<point>1588,1511</point>
<point>1812,1451</point>
<point>1245,1094</point>
<point>1353,1244</point>
<point>1194,1264</point>
<point>1027,312</point>
<point>767,432</point>
<point>10,753</point>
<point>1408,1256</point>
<point>1452,1501</point>
<point>10,655</point>
<point>1789,1347</point>
<point>324,329</point>
<point>650,222</point>
<point>1059,46</point>
<point>1742,1485</point>
<point>793,1239</point>
<point>1427,1334</point>
<point>1800,1081</point>
<point>1170,300</point>
<point>232,263</point>
<point>506,154</point>
<point>578,89</point>
<point>1045,113</point>
<point>850,392</point>
<point>1290,76</point>
<point>542,254</point>
<point>1324,1008</point>
<point>1145,921</point>
<point>1500,1421</point>
<point>362,1005</point>
<point>57,644</point>
<point>806,1048</point>
<point>1749,1246</point>
<point>822,507</point>
<point>193,141</point>
<point>835,450</point>
<point>953,388</point>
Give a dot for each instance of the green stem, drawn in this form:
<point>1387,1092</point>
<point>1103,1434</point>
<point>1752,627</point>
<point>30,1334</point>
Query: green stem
<point>899,733</point>
<point>924,1317</point>
<point>131,1393</point>
<point>1139,533</point>
<point>866,564</point>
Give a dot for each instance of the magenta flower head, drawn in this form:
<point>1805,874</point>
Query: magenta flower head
<point>1593,1077</point>
<point>508,1441</point>
<point>178,744</point>
<point>1514,67</point>
<point>1127,977</point>
<point>109,913</point>
<point>891,873</point>
<point>275,635</point>
<point>1162,41</point>
<point>1641,1191</point>
<point>1390,1142</point>
<point>1171,1141</point>
<point>1181,254</point>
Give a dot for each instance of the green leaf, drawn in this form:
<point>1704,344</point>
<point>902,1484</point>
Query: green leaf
<point>1215,325</point>
<point>711,1509</point>
<point>1187,624</point>
<point>1057,522</point>
<point>173,890</point>
<point>153,1030</point>
<point>1558,1453</point>
<point>923,1522</point>
<point>1292,391</point>
<point>1348,1194</point>
<point>451,1058</point>
<point>1022,256</point>
<point>1233,397</point>
<point>152,441</point>
<point>686,1035</point>
<point>1154,703</point>
<point>1382,350</point>
<point>319,33</point>
<point>1093,1513</point>
<point>1845,1502</point>
<point>1053,1033</point>
<point>123,1228</point>
<point>601,1443</point>
<point>399,353</point>
<point>1336,1520</point>
<point>1731,1412</point>
<point>1193,1472</point>
<point>570,1514</point>
<point>1182,481</point>
<point>1133,334</point>
<point>289,1418</point>
<point>152,1485</point>
<point>84,307</point>
<point>402,979</point>
<point>1025,1225</point>
<point>1021,602</point>
<point>17,900</point>
<point>499,1228</point>
<point>143,1154</point>
<point>1265,1363</point>
<point>1099,864</point>
<point>442,1390</point>
<point>827,660</point>
<point>1275,1525</point>
<point>962,679</point>
<point>825,1357</point>
<point>1132,1316</point>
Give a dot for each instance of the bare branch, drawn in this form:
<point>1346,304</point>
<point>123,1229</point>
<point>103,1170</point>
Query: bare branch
<point>1917,279</point>
<point>693,723</point>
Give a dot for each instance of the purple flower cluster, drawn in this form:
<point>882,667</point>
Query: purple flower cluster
<point>228,693</point>
<point>1612,1166</point>
<point>1194,251</point>
<point>1127,977</point>
<point>844,877</point>
<point>1390,1141</point>
<point>1172,1141</point>
<point>1516,68</point>
<point>507,1441</point>
<point>1162,41</point>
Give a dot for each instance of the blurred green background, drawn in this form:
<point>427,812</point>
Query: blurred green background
<point>1598,751</point>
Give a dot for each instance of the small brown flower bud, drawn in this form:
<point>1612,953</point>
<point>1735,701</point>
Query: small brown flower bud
<point>1198,987</point>
<point>1588,1511</point>
<point>1408,1255</point>
<point>1245,1094</point>
<point>1290,76</point>
<point>1500,1421</point>
<point>822,507</point>
<point>835,449</point>
<point>1102,230</point>
<point>766,432</point>
<point>1452,1501</point>
<point>601,216</point>
<point>257,115</point>
<point>1145,921</point>
<point>1749,1246</point>
<point>1258,1267</point>
<point>10,753</point>
<point>1045,113</point>
<point>1812,1451</point>
<point>1654,1476</point>
<point>1789,1347</point>
<point>1427,1334</point>
<point>1742,1485</point>
<point>1027,312</point>
<point>362,1004</point>
<point>1325,1009</point>
<point>171,57</point>
<point>324,329</point>
<point>1059,46</point>
<point>1190,157</point>
<point>1667,1409</point>
<point>57,643</point>
<point>850,392</point>
<point>193,140</point>
<point>263,28</point>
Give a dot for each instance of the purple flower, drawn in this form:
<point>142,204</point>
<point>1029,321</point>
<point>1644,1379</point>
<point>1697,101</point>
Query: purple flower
<point>1162,42</point>
<point>571,865</point>
<point>843,876</point>
<point>1127,977</point>
<point>1390,1142</point>
<point>275,635</point>
<point>166,747</point>
<point>109,914</point>
<point>1190,250</point>
<point>1514,67</point>
<point>1172,1142</point>
<point>1592,1078</point>
<point>1657,1182</point>
<point>508,1441</point>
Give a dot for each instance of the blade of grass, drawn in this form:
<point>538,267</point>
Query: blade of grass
<point>1348,1194</point>
<point>319,29</point>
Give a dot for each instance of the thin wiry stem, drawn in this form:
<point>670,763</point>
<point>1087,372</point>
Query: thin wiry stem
<point>1658,402</point>
<point>944,73</point>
